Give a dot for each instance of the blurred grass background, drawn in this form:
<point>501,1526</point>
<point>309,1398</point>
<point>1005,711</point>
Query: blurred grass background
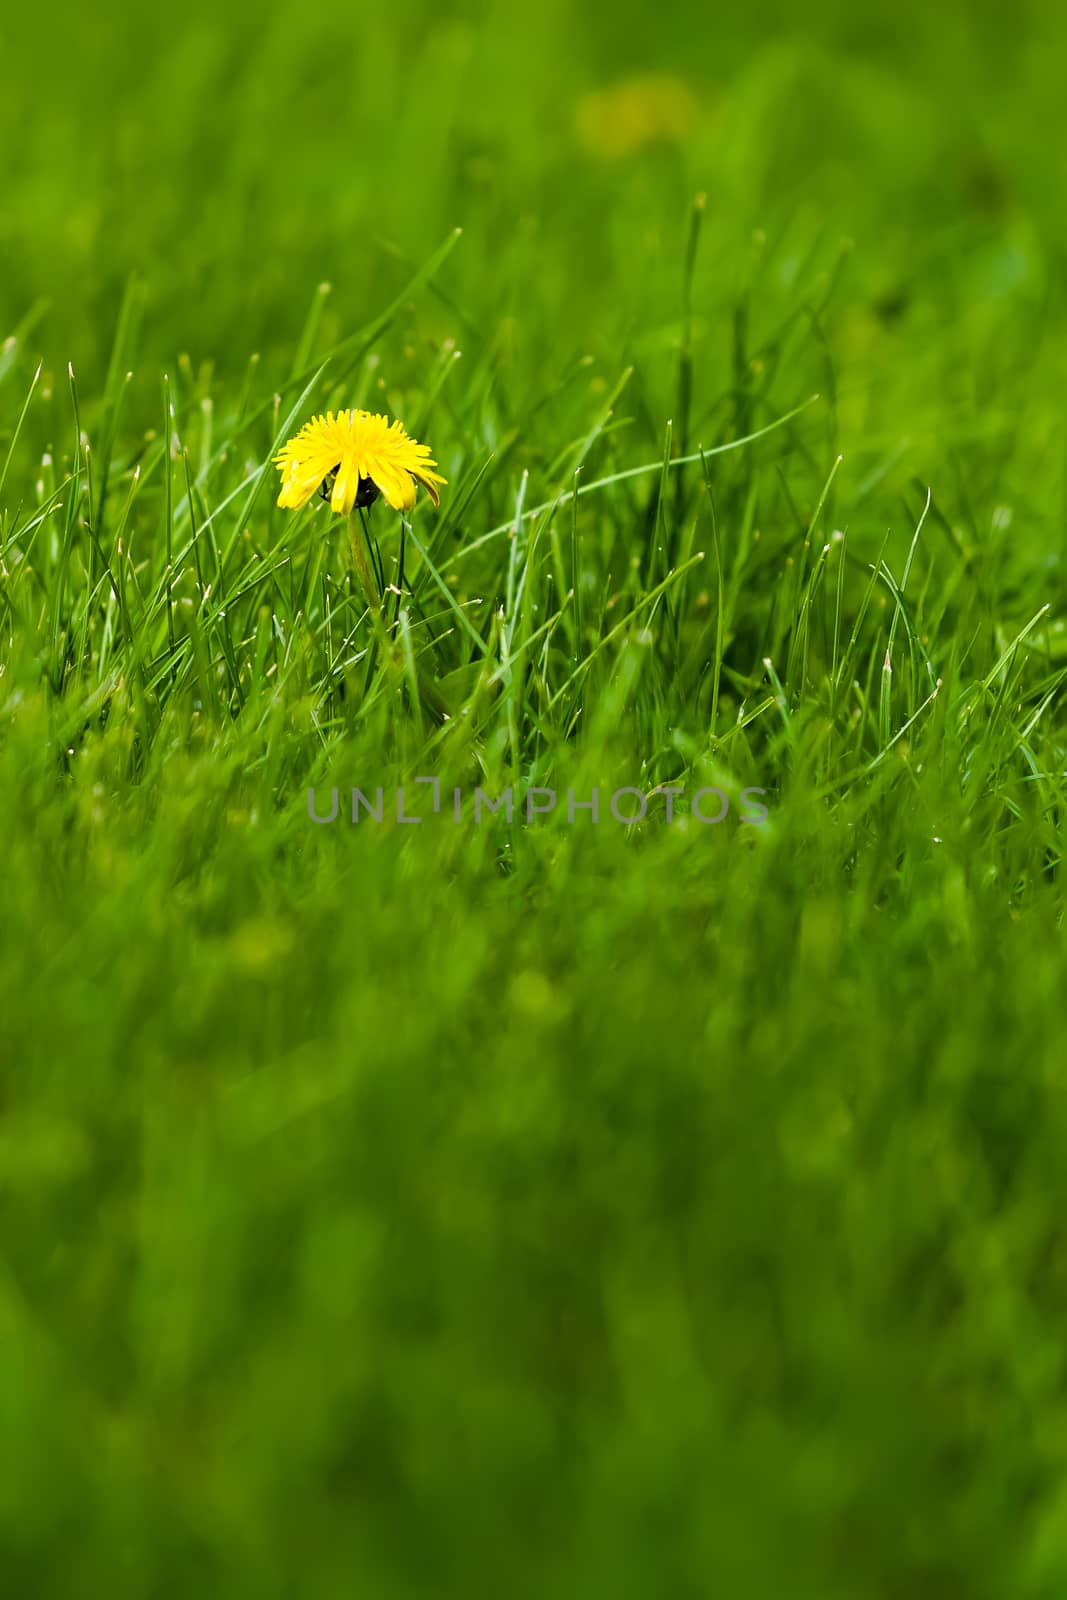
<point>535,1211</point>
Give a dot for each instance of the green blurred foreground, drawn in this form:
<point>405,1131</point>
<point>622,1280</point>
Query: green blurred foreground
<point>478,1209</point>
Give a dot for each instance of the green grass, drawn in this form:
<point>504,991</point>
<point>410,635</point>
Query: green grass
<point>544,1207</point>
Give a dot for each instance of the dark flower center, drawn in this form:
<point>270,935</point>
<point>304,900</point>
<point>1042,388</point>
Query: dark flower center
<point>366,494</point>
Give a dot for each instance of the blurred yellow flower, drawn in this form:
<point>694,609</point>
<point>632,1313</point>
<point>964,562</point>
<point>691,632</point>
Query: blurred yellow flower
<point>649,109</point>
<point>351,458</point>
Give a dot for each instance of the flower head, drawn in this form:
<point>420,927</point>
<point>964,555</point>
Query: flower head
<point>652,108</point>
<point>352,457</point>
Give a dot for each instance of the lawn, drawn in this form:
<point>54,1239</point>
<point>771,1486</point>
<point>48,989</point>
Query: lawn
<point>630,1162</point>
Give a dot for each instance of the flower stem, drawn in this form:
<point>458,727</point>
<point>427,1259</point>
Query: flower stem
<point>431,700</point>
<point>368,582</point>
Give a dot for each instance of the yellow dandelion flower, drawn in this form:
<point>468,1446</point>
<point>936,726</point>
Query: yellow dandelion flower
<point>652,108</point>
<point>351,458</point>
